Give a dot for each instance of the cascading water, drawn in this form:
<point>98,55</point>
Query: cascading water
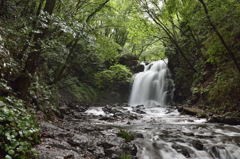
<point>166,133</point>
<point>153,86</point>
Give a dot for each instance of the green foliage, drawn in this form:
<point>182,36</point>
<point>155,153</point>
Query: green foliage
<point>127,136</point>
<point>45,97</point>
<point>107,49</point>
<point>78,91</point>
<point>113,76</point>
<point>125,156</point>
<point>225,90</point>
<point>18,129</point>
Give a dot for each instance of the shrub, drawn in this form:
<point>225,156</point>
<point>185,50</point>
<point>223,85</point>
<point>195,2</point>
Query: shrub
<point>18,129</point>
<point>113,76</point>
<point>78,91</point>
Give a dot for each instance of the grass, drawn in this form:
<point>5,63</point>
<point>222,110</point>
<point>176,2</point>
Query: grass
<point>126,135</point>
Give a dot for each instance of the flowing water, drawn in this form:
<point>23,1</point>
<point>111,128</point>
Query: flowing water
<point>153,86</point>
<point>166,133</point>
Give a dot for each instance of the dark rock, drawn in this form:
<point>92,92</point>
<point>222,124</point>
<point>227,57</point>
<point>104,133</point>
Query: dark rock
<point>108,109</point>
<point>215,151</point>
<point>197,144</point>
<point>133,117</point>
<point>139,135</point>
<point>79,136</point>
<point>64,109</point>
<point>225,120</point>
<point>78,140</point>
<point>138,68</point>
<point>140,106</point>
<point>71,156</point>
<point>106,145</point>
<point>183,150</point>
<point>106,118</point>
<point>139,111</point>
<point>129,149</point>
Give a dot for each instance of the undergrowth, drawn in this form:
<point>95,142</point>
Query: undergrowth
<point>18,129</point>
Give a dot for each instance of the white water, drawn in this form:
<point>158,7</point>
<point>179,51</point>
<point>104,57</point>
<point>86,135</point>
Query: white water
<point>153,86</point>
<point>169,135</point>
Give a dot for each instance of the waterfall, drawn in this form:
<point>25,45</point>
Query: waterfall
<point>153,86</point>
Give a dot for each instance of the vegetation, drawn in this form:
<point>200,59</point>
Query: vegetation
<point>126,135</point>
<point>18,129</point>
<point>80,51</point>
<point>113,76</point>
<point>125,156</point>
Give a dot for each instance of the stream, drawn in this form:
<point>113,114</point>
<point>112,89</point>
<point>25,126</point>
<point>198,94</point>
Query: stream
<point>169,135</point>
<point>166,134</point>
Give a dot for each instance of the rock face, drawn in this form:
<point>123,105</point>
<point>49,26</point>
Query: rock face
<point>79,136</point>
<point>132,62</point>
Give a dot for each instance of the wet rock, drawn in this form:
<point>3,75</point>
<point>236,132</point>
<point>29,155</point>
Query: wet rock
<point>140,107</point>
<point>138,68</point>
<point>216,151</point>
<point>133,117</point>
<point>138,135</point>
<point>195,111</point>
<point>187,152</point>
<point>78,136</point>
<point>107,118</point>
<point>53,149</point>
<point>225,120</point>
<point>106,145</point>
<point>78,140</point>
<point>109,110</point>
<point>77,115</point>
<point>118,114</point>
<point>197,144</point>
<point>188,133</point>
<point>139,110</point>
<point>129,149</point>
<point>64,109</point>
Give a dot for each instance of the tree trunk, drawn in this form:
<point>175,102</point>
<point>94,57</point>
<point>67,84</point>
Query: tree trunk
<point>229,51</point>
<point>24,80</point>
<point>100,7</point>
<point>59,73</point>
<point>49,7</point>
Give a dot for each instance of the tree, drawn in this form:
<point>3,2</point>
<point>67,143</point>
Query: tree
<point>23,82</point>
<point>228,49</point>
<point>170,34</point>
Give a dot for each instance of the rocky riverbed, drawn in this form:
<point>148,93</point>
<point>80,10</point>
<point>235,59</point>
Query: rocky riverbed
<point>82,134</point>
<point>147,133</point>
